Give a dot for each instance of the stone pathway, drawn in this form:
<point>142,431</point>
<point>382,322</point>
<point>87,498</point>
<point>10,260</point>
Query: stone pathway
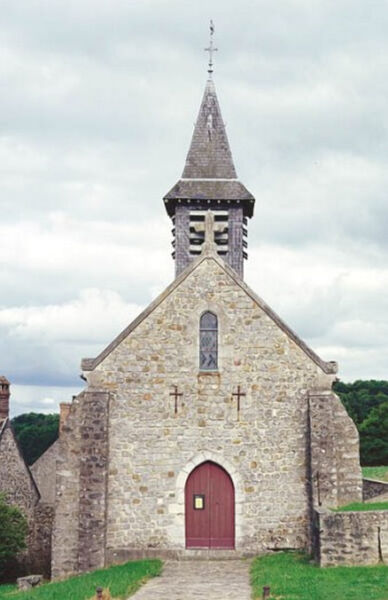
<point>199,580</point>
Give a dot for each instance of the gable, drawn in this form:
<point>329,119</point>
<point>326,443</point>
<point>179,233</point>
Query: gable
<point>210,277</point>
<point>15,476</point>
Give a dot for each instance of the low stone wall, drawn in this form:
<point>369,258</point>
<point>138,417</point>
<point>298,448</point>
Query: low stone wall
<point>351,538</point>
<point>372,488</point>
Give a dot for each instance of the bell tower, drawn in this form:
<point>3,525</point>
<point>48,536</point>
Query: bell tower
<point>209,182</point>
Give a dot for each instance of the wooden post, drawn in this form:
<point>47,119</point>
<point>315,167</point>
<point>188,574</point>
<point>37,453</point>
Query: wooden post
<point>266,592</point>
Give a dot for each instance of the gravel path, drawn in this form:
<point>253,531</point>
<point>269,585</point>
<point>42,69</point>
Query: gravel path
<point>199,580</point>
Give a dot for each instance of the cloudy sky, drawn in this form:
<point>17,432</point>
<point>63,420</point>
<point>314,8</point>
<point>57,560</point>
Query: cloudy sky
<point>97,104</point>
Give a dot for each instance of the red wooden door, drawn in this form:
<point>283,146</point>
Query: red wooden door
<point>209,508</point>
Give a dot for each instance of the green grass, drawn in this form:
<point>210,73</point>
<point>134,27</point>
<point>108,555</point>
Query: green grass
<point>122,580</point>
<point>292,577</point>
<point>380,473</point>
<point>5,589</point>
<point>362,506</point>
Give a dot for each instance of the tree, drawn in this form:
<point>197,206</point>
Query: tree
<point>13,532</point>
<point>374,436</point>
<point>35,433</point>
<point>365,402</point>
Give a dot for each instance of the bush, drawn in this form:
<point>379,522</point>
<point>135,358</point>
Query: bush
<point>13,532</point>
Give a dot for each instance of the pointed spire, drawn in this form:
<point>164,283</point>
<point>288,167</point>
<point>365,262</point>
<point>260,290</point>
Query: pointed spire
<point>209,156</point>
<point>209,175</point>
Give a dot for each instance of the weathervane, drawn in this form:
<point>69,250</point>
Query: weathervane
<point>211,50</point>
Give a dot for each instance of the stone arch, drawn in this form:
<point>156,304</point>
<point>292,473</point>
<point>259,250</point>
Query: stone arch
<point>178,530</point>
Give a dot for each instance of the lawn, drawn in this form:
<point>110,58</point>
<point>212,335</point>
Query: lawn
<point>380,473</point>
<point>291,576</point>
<point>122,580</point>
<point>362,506</point>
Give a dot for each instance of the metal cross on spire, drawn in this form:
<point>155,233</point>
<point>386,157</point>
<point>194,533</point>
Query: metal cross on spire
<point>211,49</point>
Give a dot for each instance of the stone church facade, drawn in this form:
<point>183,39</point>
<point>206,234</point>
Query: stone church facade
<point>207,425</point>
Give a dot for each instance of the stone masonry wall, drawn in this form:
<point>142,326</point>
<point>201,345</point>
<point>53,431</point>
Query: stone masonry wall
<point>65,540</point>
<point>80,512</point>
<point>352,538</point>
<point>335,466</point>
<point>93,479</point>
<point>39,542</point>
<point>264,448</point>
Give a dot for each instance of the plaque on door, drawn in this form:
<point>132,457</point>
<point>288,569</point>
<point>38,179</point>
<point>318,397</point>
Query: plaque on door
<point>199,501</point>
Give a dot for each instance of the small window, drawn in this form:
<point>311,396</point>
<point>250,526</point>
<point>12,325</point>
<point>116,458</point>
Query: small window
<point>208,343</point>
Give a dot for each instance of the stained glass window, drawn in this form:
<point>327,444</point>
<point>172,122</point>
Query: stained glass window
<point>208,343</point>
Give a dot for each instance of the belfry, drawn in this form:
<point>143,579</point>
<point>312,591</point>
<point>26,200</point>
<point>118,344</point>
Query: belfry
<point>209,182</point>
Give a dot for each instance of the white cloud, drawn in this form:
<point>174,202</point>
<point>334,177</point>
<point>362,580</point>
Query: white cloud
<point>30,398</point>
<point>95,122</point>
<point>89,319</point>
<point>41,344</point>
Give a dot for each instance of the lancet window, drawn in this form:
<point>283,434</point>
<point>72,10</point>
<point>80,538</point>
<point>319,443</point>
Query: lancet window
<point>208,342</point>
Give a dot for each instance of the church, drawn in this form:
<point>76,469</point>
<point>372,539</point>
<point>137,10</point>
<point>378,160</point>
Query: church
<point>207,427</point>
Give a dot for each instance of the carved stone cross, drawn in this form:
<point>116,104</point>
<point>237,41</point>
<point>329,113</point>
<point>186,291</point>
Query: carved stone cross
<point>209,227</point>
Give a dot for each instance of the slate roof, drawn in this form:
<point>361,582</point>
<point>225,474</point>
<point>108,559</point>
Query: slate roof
<point>209,155</point>
<point>209,172</point>
<point>6,424</point>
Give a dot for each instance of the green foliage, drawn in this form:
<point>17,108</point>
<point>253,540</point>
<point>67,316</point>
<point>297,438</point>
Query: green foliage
<point>374,436</point>
<point>362,507</point>
<point>292,576</point>
<point>360,397</point>
<point>121,580</point>
<point>13,531</point>
<point>35,433</point>
<point>367,404</point>
<point>379,473</point>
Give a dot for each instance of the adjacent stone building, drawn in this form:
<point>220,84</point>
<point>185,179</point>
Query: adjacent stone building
<point>20,489</point>
<point>16,480</point>
<point>207,425</point>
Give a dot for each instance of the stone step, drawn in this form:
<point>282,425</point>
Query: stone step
<point>212,554</point>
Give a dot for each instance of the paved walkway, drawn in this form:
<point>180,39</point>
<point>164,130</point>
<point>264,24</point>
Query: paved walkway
<point>199,580</point>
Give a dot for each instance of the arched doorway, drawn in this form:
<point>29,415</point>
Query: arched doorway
<point>209,500</point>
